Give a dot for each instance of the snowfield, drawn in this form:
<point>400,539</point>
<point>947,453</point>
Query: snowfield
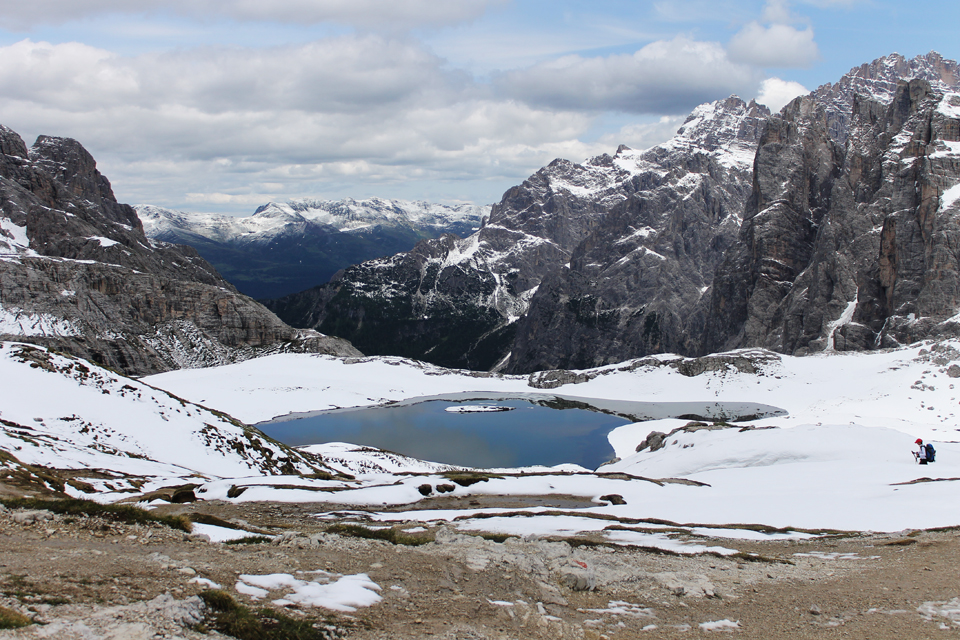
<point>65,413</point>
<point>840,459</point>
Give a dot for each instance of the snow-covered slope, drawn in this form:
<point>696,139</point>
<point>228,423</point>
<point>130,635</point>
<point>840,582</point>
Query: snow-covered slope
<point>65,413</point>
<point>841,458</point>
<point>910,390</point>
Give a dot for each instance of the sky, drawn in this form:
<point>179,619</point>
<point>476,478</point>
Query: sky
<point>224,105</point>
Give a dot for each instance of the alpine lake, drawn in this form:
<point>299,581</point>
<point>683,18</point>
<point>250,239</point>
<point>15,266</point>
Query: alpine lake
<point>488,430</point>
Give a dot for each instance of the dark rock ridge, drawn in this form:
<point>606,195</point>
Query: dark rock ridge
<point>78,274</point>
<point>287,247</point>
<point>827,226</point>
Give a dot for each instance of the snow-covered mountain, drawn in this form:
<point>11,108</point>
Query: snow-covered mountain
<point>586,264</point>
<point>852,245</point>
<point>458,303</point>
<point>878,81</point>
<point>287,247</point>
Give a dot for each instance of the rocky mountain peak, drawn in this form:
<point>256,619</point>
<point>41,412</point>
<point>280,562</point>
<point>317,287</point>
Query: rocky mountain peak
<point>878,81</point>
<point>71,165</point>
<point>727,130</point>
<point>715,124</point>
<point>11,144</point>
<point>278,213</point>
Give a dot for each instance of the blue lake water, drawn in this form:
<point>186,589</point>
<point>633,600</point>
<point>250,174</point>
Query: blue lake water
<point>530,434</point>
<point>540,430</point>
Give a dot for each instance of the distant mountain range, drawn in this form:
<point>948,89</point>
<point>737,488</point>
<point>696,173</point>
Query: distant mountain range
<point>830,225</point>
<point>288,247</point>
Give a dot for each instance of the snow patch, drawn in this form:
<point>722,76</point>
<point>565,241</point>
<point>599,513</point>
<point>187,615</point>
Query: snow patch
<point>220,534</point>
<point>205,583</point>
<point>949,610</point>
<point>17,322</point>
<point>950,196</point>
<point>13,238</point>
<point>104,242</point>
<point>950,105</point>
<point>720,625</point>
<point>478,408</point>
<point>844,319</point>
<point>346,594</point>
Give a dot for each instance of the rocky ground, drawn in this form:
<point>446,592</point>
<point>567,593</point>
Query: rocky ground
<point>89,577</point>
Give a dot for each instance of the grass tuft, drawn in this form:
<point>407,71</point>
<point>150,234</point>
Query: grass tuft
<point>203,518</point>
<point>755,557</point>
<point>499,538</point>
<point>10,619</point>
<point>903,542</point>
<point>233,619</point>
<point>125,513</point>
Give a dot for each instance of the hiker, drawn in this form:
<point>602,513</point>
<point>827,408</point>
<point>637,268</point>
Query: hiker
<point>926,453</point>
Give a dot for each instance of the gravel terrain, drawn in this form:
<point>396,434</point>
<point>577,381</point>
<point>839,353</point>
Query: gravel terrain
<point>87,577</point>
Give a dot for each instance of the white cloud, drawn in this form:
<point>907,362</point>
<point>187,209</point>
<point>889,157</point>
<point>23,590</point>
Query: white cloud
<point>776,45</point>
<point>775,93</point>
<point>392,14</point>
<point>228,124</point>
<point>777,11</point>
<point>667,76</point>
<point>330,76</point>
<point>643,136</point>
<point>779,44</point>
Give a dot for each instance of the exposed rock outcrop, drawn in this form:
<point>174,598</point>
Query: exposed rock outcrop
<point>79,275</point>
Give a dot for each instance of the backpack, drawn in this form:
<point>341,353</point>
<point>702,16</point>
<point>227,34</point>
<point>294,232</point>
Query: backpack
<point>931,453</point>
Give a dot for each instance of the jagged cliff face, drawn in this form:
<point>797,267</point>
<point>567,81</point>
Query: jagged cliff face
<point>827,226</point>
<point>79,275</point>
<point>847,247</point>
<point>287,247</point>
